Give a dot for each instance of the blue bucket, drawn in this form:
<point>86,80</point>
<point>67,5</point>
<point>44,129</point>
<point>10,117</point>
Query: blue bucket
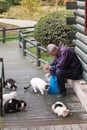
<point>53,86</point>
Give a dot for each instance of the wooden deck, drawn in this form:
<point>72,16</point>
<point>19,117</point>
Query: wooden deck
<point>56,127</point>
<point>39,115</point>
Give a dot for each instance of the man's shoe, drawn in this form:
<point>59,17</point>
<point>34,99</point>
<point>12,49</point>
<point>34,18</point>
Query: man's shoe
<point>61,95</point>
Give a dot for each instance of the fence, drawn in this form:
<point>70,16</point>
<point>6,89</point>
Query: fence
<point>4,31</point>
<point>2,79</point>
<point>25,42</point>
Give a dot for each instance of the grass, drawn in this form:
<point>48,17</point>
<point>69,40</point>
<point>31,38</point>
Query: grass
<point>8,37</point>
<point>44,55</point>
<point>9,33</point>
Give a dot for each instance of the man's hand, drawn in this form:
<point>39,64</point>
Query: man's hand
<point>47,67</point>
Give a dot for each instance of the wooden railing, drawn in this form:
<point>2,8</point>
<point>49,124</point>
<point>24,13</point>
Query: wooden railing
<point>25,42</point>
<point>4,32</point>
<point>2,79</point>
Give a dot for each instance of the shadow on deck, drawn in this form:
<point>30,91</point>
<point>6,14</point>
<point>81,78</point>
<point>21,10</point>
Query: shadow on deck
<point>39,107</point>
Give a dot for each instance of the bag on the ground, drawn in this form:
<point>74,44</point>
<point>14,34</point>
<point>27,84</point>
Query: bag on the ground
<point>53,86</point>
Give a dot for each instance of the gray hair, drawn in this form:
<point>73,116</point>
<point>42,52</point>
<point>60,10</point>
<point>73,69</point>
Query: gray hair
<point>51,48</point>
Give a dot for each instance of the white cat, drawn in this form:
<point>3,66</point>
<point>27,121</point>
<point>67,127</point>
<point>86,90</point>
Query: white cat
<point>38,84</point>
<point>9,96</point>
<point>60,109</point>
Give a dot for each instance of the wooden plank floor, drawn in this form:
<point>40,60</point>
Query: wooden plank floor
<point>57,127</point>
<point>39,107</point>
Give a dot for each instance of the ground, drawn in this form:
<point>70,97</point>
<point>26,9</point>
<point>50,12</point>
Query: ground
<point>39,111</point>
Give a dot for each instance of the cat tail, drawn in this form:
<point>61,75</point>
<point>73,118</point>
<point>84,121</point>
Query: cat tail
<point>27,87</point>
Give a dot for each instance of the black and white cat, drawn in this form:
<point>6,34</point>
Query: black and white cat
<point>11,83</point>
<point>60,109</point>
<point>38,84</point>
<point>9,96</point>
<point>14,105</point>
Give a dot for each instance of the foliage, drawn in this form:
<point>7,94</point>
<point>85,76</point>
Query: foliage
<point>51,29</point>
<point>13,2</point>
<point>61,2</point>
<point>31,5</point>
<point>3,6</point>
<point>19,12</point>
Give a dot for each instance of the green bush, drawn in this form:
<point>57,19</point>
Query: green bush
<point>13,2</point>
<point>3,6</point>
<point>61,2</point>
<point>51,29</point>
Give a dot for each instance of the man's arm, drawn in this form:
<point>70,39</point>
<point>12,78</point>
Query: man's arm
<point>63,59</point>
<point>53,65</point>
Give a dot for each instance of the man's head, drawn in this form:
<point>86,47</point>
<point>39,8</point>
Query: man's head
<point>52,49</point>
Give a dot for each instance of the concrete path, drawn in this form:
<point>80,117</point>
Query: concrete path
<point>20,23</point>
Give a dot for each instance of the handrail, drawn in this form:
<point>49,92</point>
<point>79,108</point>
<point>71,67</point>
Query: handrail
<point>23,42</point>
<point>2,79</point>
<point>17,28</point>
<point>4,32</point>
<point>25,38</point>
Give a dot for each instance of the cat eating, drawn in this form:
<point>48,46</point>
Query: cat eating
<point>38,84</point>
<point>11,83</point>
<point>60,109</point>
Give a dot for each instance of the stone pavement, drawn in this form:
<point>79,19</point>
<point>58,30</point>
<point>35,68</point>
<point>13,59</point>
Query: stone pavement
<point>20,23</point>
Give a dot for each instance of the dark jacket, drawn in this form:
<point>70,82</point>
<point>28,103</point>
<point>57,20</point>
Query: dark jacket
<point>66,59</point>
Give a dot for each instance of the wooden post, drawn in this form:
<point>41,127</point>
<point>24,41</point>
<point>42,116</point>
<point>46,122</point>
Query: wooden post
<point>4,35</point>
<point>38,54</point>
<point>1,92</point>
<point>20,39</point>
<point>86,17</point>
<point>3,74</point>
<point>1,85</point>
<point>24,47</point>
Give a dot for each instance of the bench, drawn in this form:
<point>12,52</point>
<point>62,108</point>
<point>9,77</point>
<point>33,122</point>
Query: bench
<point>2,79</point>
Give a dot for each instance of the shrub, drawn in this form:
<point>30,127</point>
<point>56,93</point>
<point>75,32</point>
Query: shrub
<point>3,6</point>
<point>31,5</point>
<point>13,2</point>
<point>51,29</point>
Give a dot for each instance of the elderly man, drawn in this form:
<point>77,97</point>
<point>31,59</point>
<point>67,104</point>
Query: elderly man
<point>65,65</point>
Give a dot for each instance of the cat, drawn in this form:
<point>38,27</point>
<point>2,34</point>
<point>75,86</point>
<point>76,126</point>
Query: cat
<point>14,105</point>
<point>38,84</point>
<point>60,109</point>
<point>9,96</point>
<point>11,83</point>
